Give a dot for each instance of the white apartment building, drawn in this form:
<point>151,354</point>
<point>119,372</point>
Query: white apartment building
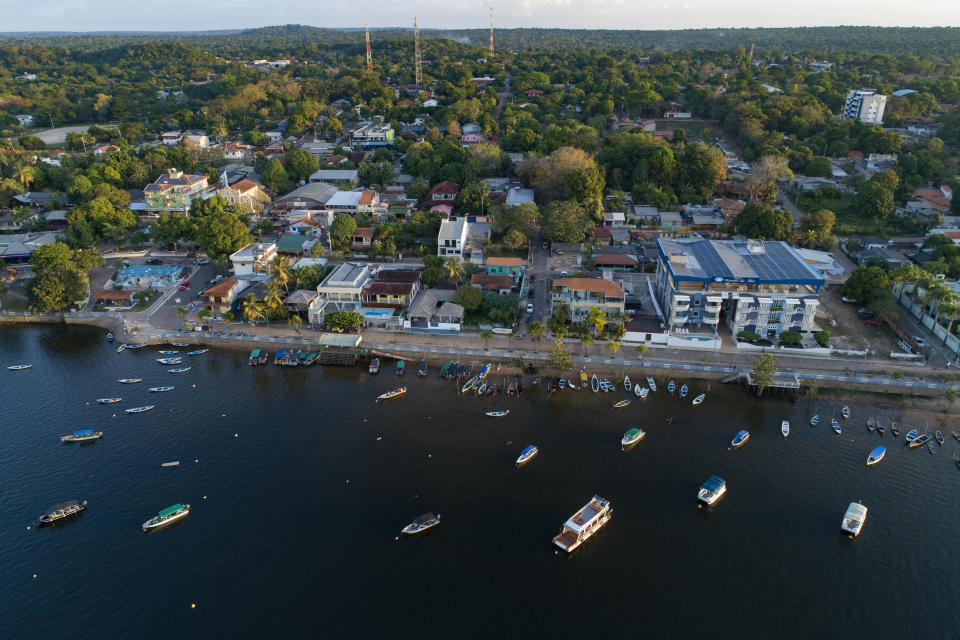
<point>865,105</point>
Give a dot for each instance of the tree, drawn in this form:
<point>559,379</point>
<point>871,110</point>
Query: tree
<point>818,226</point>
<point>454,270</point>
<point>760,220</point>
<point>585,341</point>
<point>222,233</point>
<point>614,347</point>
<point>341,231</point>
<point>566,221</point>
<point>295,321</point>
<point>865,282</point>
<point>471,298</point>
<point>764,174</point>
<point>485,336</point>
<point>514,239</point>
<point>203,314</point>
<point>252,309</point>
<point>275,176</point>
<point>281,272</point>
<point>764,370</point>
<point>790,337</point>
<point>227,317</point>
<point>642,350</point>
<point>822,337</point>
<point>181,312</point>
<point>597,319</point>
<point>819,167</point>
<point>500,308</point>
<point>300,164</point>
<point>874,201</point>
<point>537,329</point>
<point>560,357</point>
<point>344,320</point>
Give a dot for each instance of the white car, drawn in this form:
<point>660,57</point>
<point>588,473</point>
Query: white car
<point>530,307</point>
<point>920,341</point>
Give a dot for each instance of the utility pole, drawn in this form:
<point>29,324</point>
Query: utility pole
<point>366,29</point>
<point>417,63</point>
<point>490,50</point>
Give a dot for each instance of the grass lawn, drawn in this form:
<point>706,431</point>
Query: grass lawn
<point>850,223</point>
<point>9,302</point>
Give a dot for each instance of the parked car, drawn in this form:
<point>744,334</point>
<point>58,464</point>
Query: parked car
<point>202,261</point>
<point>530,294</point>
<point>184,285</point>
<point>154,261</point>
<point>865,313</point>
<point>529,307</point>
<point>920,341</point>
<point>873,323</point>
<point>850,300</point>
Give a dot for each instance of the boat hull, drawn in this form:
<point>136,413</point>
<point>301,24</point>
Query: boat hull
<point>153,524</point>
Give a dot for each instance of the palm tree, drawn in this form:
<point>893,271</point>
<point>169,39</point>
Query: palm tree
<point>560,333</point>
<point>454,269</point>
<point>296,321</point>
<point>585,341</point>
<point>181,311</point>
<point>273,301</point>
<point>252,309</point>
<point>485,336</point>
<point>537,329</point>
<point>281,272</point>
<point>227,317</point>
<point>949,308</point>
<point>619,331</point>
<point>642,350</point>
<point>203,314</point>
<point>597,319</point>
<point>614,347</point>
<point>935,297</point>
<point>911,273</point>
<point>25,175</point>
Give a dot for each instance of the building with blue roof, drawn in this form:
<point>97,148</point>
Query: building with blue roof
<point>763,287</point>
<point>146,276</point>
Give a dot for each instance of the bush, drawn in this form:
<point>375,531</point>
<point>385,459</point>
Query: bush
<point>748,336</point>
<point>822,337</point>
<point>790,337</point>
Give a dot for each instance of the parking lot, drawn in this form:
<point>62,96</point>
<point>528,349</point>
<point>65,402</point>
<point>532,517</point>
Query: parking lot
<point>848,330</point>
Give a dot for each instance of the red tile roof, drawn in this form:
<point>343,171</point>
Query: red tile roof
<point>606,287</point>
<point>491,282</point>
<point>505,262</point>
<point>615,260</point>
<point>221,289</point>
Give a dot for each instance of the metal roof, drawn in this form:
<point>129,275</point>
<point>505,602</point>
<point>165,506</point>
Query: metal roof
<point>750,260</point>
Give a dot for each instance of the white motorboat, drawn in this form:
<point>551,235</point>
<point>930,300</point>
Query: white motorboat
<point>626,384</point>
<point>19,367</point>
<point>712,490</point>
<point>853,519</point>
<point>527,453</point>
<point>584,524</point>
<point>422,523</point>
<point>167,516</point>
<point>699,399</point>
<point>876,456</point>
<point>632,436</point>
<point>785,428</point>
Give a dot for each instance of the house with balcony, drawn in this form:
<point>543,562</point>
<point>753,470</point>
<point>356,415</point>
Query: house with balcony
<point>512,267</point>
<point>762,287</point>
<point>176,190</point>
<point>253,258</point>
<point>221,297</point>
<point>434,311</point>
<point>247,194</point>
<point>579,295</point>
<point>392,288</point>
<point>341,290</point>
<point>452,238</point>
<point>353,202</point>
<point>442,193</point>
<point>372,136</point>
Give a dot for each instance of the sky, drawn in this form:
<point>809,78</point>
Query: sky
<point>189,15</point>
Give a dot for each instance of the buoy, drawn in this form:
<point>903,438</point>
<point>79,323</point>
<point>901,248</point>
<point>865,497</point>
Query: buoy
<point>348,482</point>
<point>236,435</point>
<point>34,576</point>
<point>223,415</point>
<point>28,527</point>
<point>194,386</point>
<point>204,497</point>
<point>197,460</point>
<point>193,605</point>
<point>429,455</point>
<point>397,538</point>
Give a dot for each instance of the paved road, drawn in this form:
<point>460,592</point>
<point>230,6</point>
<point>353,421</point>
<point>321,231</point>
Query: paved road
<point>59,134</point>
<point>935,351</point>
<point>792,208</point>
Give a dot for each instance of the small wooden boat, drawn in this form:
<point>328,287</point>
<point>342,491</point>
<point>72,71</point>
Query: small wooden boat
<point>422,368</point>
<point>606,385</point>
<point>130,380</point>
<point>144,409</point>
<point>61,511</point>
<point>644,392</point>
<point>632,436</point>
<point>421,524</point>
<point>571,385</point>
<point>626,384</point>
<point>527,453</point>
<point>491,388</point>
<point>197,352</point>
<point>374,365</point>
<point>815,420</point>
<point>498,414</point>
<point>484,370</point>
<point>167,465</point>
<point>393,393</point>
<point>956,436</point>
<point>671,387</point>
<point>173,352</point>
<point>469,384</point>
<point>160,389</point>
<point>512,389</point>
<point>401,367</point>
<point>19,367</point>
<point>845,412</point>
<point>108,400</point>
<point>169,360</point>
<point>700,398</point>
<point>562,384</point>
<point>179,370</point>
<point>683,391</point>
<point>919,441</point>
<point>482,389</point>
<point>939,436</point>
<point>594,383</point>
<point>652,384</point>
<point>835,424</point>
<point>741,437</point>
<point>584,381</point>
<point>912,435</point>
<point>139,345</point>
<point>109,337</point>
<point>621,404</point>
<point>895,429</point>
<point>881,427</point>
<point>956,459</point>
<point>931,448</point>
<point>876,456</point>
<point>83,435</point>
<point>121,348</point>
<point>871,424</point>
<point>785,428</point>
<point>167,516</point>
<point>445,369</point>
<point>179,344</point>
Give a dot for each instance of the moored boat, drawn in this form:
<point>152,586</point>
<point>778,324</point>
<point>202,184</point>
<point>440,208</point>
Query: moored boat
<point>606,385</point>
<point>700,398</point>
<point>912,435</point>
<point>469,384</point>
<point>621,404</point>
<point>853,519</point>
<point>594,383</point>
<point>139,345</point>
<point>876,456</point>
<point>130,380</point>
<point>482,389</point>
<point>401,367</point>
<point>179,370</point>
<point>652,384</point>
<point>61,511</point>
<point>169,360</point>
<point>956,436</point>
<point>919,441</point>
<point>421,523</point>
<point>881,427</point>
<point>173,352</point>
<point>108,400</point>
<point>167,465</point>
<point>143,409</point>
<point>167,516</point>
<point>445,369</point>
<point>584,523</point>
<point>712,490</point>
<point>644,392</point>
<point>683,391</point>
<point>83,435</point>
<point>584,381</point>
<point>632,436</point>
<point>939,438</point>
<point>626,384</point>
<point>498,414</point>
<point>197,352</point>
<point>374,365</point>
<point>179,344</point>
<point>19,367</point>
<point>278,359</point>
<point>785,428</point>
<point>835,424</point>
<point>254,358</point>
<point>742,436</point>
<point>815,420</point>
<point>895,429</point>
<point>527,453</point>
<point>871,424</point>
<point>671,387</point>
<point>422,368</point>
<point>109,337</point>
<point>845,412</point>
<point>484,370</point>
<point>393,393</point>
<point>562,384</point>
<point>931,448</point>
<point>160,389</point>
<point>121,348</point>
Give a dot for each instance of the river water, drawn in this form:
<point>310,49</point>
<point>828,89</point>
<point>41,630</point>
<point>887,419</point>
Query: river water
<point>300,483</point>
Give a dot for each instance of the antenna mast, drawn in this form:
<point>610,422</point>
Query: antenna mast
<point>490,51</point>
<point>366,29</point>
<point>418,65</point>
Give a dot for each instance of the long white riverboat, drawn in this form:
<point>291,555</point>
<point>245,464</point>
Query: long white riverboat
<point>584,524</point>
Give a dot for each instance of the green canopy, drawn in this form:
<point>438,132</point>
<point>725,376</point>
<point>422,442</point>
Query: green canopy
<point>169,511</point>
